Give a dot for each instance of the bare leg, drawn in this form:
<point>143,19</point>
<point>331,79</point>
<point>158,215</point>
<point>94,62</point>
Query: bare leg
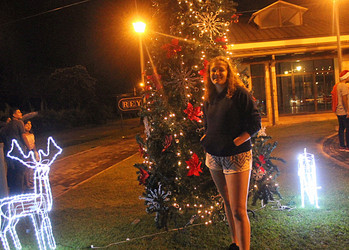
<point>219,179</point>
<point>238,190</point>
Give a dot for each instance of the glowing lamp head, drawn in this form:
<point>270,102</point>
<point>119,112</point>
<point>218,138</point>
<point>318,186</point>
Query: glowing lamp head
<point>139,27</point>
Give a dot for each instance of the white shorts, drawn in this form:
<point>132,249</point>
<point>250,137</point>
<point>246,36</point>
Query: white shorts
<point>230,164</point>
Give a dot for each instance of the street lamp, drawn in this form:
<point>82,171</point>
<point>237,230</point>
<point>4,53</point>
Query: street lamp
<point>139,27</point>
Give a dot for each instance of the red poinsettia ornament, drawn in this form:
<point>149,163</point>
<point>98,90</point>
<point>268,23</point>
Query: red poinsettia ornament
<point>261,169</point>
<point>141,150</point>
<point>235,18</point>
<point>193,113</point>
<point>194,166</point>
<point>222,40</point>
<point>144,175</point>
<point>203,72</point>
<point>167,143</point>
<point>155,78</point>
<point>172,48</point>
<point>261,159</point>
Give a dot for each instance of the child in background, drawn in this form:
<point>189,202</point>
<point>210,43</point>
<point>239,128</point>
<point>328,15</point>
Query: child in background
<point>30,138</point>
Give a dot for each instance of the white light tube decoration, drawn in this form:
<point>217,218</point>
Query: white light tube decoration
<point>307,177</point>
<point>36,204</point>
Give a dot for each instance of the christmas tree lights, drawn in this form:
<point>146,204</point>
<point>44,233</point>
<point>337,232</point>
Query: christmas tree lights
<point>191,32</point>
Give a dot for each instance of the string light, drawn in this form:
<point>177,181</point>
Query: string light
<point>307,176</point>
<point>200,209</point>
<point>35,205</point>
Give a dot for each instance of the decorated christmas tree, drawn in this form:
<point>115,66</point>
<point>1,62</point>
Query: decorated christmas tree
<point>263,185</point>
<point>176,180</point>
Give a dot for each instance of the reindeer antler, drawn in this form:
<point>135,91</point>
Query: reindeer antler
<point>29,160</point>
<point>17,153</point>
<point>52,151</point>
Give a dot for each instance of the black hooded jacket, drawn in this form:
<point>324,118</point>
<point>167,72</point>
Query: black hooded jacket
<point>226,118</point>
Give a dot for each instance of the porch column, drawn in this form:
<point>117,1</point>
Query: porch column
<point>274,92</point>
<point>269,106</point>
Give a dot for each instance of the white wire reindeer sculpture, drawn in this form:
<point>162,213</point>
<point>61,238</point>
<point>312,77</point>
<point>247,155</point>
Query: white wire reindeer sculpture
<point>35,205</point>
<point>307,176</point>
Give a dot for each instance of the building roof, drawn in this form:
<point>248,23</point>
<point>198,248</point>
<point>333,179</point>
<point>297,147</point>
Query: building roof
<point>278,14</point>
<point>316,33</point>
<point>317,22</point>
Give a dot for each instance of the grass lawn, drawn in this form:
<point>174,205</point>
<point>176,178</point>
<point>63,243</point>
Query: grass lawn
<point>106,210</point>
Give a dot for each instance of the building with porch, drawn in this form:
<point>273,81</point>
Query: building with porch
<point>290,51</point>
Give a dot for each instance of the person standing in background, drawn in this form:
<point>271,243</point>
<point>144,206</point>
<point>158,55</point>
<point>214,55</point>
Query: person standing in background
<point>340,93</point>
<point>15,170</point>
<point>29,139</point>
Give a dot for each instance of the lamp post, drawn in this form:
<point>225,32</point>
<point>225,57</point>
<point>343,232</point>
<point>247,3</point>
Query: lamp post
<point>139,28</point>
<point>339,49</point>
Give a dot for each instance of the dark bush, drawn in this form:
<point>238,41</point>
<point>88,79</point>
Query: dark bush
<point>51,120</point>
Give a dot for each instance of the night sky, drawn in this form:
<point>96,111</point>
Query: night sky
<point>97,34</point>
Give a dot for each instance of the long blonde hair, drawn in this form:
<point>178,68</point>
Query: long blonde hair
<point>232,79</point>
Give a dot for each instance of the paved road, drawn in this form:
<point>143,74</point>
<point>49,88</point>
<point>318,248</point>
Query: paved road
<point>88,151</point>
<point>72,170</point>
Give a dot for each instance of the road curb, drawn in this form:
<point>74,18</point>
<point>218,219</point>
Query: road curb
<point>328,156</point>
